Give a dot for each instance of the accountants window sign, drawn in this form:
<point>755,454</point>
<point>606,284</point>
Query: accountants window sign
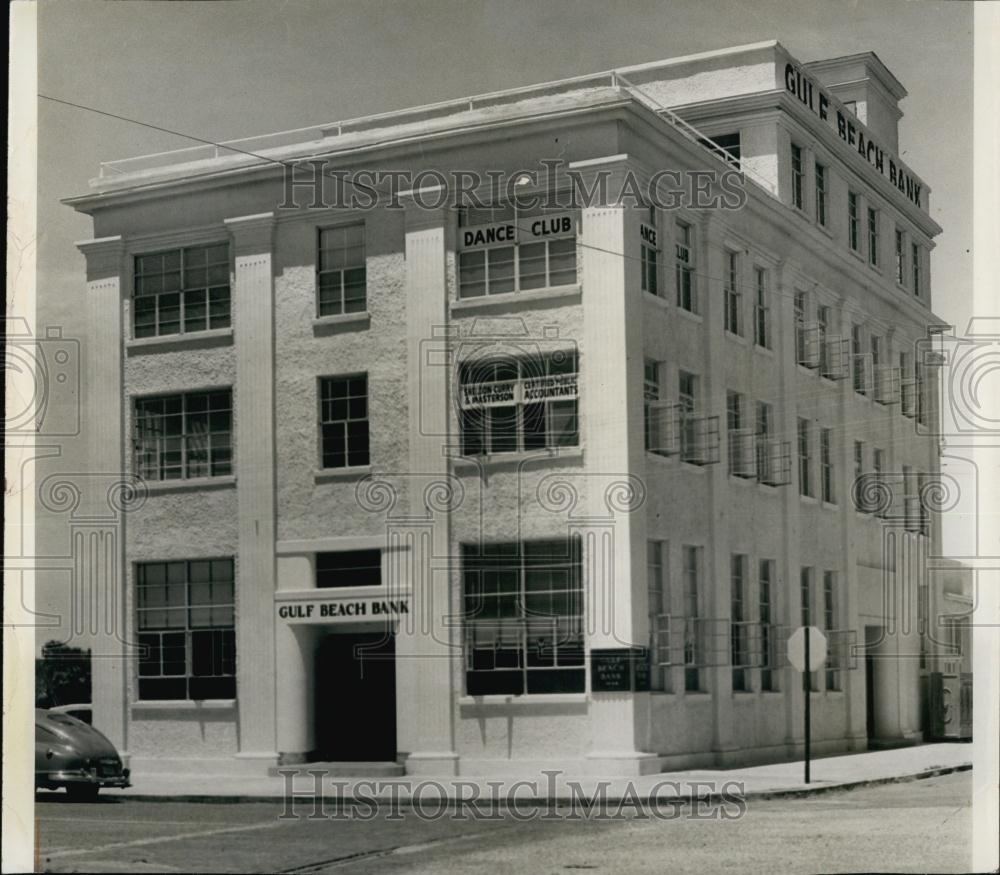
<point>526,229</point>
<point>531,390</point>
<point>852,132</point>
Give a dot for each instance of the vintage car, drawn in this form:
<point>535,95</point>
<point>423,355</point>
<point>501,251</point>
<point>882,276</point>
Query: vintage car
<point>71,754</point>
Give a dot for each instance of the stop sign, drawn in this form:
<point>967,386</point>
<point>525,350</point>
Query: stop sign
<point>797,649</point>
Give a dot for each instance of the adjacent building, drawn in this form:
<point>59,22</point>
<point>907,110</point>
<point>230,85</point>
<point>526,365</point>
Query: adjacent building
<point>484,486</point>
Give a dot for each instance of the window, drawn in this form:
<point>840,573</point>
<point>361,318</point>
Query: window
<point>761,310</point>
<point>650,255</point>
<point>900,263</point>
<point>826,465</point>
<point>687,402</point>
<point>823,331</point>
<point>344,421</point>
<point>692,613</point>
<point>733,294</point>
<point>805,459</point>
<point>523,617</point>
<point>519,404</point>
<point>740,461</point>
<point>726,146</point>
<point>858,360</point>
<point>919,378</point>
<point>915,262</point>
<point>178,437</point>
<point>859,473</point>
<point>830,622</point>
<point>764,460</point>
<point>738,630</point>
<point>766,610</point>
<point>181,291</point>
<point>820,194</point>
<point>186,629</point>
<point>798,176</point>
<point>349,568</point>
<point>799,307</point>
<point>878,468</point>
<point>853,219</point>
<point>341,275</point>
<point>650,393</point>
<point>659,610</point>
<point>684,267</point>
<point>873,237</point>
<point>510,248</point>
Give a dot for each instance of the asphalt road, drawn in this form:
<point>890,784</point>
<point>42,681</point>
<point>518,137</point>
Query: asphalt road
<point>917,826</point>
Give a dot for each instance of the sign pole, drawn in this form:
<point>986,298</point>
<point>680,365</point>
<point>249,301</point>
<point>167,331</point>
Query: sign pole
<point>808,698</point>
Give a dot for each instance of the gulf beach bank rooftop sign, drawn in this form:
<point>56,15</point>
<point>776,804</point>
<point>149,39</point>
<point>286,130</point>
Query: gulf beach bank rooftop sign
<point>831,111</point>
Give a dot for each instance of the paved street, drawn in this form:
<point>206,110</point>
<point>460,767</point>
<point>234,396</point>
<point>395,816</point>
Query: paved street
<point>914,826</point>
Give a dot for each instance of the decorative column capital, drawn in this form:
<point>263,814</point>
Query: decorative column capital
<point>104,256</point>
<point>252,234</point>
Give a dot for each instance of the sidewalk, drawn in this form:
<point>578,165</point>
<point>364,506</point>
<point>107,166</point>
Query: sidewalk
<point>778,779</point>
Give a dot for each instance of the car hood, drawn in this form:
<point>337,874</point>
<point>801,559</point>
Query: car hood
<point>76,734</point>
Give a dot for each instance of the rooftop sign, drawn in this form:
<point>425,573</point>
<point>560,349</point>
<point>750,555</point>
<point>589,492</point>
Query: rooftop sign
<point>852,133</point>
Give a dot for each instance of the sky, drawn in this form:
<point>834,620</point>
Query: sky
<point>235,68</point>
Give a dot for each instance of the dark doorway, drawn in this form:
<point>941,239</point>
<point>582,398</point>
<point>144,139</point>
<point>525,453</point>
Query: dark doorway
<point>356,698</point>
<point>873,635</point>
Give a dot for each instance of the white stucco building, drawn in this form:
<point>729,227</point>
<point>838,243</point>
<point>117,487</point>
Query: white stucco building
<point>567,476</point>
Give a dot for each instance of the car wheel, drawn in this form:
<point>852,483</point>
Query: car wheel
<point>83,792</point>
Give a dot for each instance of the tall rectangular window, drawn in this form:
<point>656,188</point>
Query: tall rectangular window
<point>806,615</point>
<point>684,267</point>
<point>915,268</point>
<point>738,630</point>
<point>519,404</point>
<point>739,464</point>
<point>823,332</point>
<point>826,465</point>
<point>920,390</point>
<point>344,432</point>
<point>878,468</point>
<point>765,416</point>
<point>693,643</point>
<point>185,619</point>
<point>873,258</point>
<point>798,177</point>
<point>821,193</point>
<point>523,617</point>
<point>687,397</point>
<point>341,270</point>
<point>830,623</point>
<point>650,256</point>
<point>659,615</point>
<point>859,473</point>
<point>858,360</point>
<point>732,303</point>
<point>765,609</point>
<point>650,394</point>
<point>761,310</point>
<point>900,262</point>
<point>805,458</point>
<point>178,437</point>
<point>181,291</point>
<point>853,220</point>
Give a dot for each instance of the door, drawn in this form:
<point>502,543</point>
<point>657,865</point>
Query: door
<point>356,698</point>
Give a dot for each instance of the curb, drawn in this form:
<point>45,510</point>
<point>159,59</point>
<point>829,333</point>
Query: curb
<point>785,793</point>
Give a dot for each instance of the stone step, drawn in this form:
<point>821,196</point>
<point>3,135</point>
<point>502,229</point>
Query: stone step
<point>348,769</point>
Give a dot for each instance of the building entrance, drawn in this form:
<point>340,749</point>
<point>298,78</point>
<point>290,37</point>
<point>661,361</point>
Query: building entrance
<point>356,697</point>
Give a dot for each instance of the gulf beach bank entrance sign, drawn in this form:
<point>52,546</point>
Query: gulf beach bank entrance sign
<point>331,610</point>
<point>850,130</point>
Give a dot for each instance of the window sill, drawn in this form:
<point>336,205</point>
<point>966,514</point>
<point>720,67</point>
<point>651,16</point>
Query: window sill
<point>500,461</point>
<point>763,350</point>
<point>341,322</point>
<point>185,705</point>
<point>687,314</point>
<point>173,342</point>
<point>526,700</point>
<point>332,475</point>
<point>512,299</point>
<point>656,300</point>
<point>734,337</point>
<point>830,505</point>
<point>194,484</point>
<point>808,499</point>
